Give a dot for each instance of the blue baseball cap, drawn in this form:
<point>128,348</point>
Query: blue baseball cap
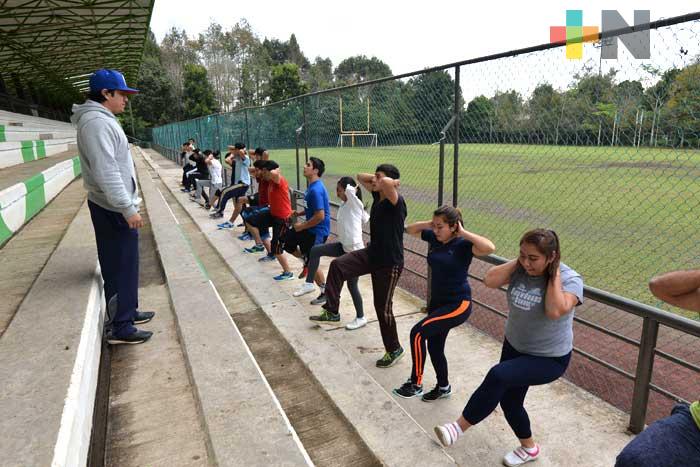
<point>109,79</point>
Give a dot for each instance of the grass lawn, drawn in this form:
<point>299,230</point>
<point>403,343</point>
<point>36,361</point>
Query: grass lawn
<point>622,214</point>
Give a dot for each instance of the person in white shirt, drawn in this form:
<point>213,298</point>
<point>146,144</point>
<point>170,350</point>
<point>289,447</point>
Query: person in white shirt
<point>215,180</point>
<point>351,216</point>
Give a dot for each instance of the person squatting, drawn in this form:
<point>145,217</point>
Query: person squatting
<point>542,292</point>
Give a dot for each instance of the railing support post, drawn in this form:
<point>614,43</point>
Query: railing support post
<point>645,368</point>
<point>455,132</point>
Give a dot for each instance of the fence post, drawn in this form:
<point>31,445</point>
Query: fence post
<point>441,172</point>
<point>645,368</point>
<point>306,138</point>
<point>218,133</point>
<point>297,133</point>
<point>455,129</point>
<point>247,133</point>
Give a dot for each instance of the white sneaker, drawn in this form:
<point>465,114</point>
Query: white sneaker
<point>356,323</point>
<point>304,289</point>
<point>520,456</point>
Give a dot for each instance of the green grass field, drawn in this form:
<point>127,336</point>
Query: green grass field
<point>622,214</point>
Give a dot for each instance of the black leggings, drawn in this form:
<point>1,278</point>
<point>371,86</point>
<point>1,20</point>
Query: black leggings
<point>434,328</point>
<point>507,383</point>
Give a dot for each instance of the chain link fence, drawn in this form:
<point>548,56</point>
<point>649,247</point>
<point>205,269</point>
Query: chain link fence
<point>605,152</point>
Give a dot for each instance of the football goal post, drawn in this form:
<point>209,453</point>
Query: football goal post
<point>359,140</point>
<point>350,138</point>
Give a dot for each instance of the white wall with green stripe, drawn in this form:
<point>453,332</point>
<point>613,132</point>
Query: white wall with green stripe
<point>22,201</point>
<point>20,152</point>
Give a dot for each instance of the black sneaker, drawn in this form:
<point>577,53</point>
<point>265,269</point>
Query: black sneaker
<point>143,317</point>
<point>437,393</point>
<point>136,337</point>
<point>408,390</point>
<point>390,358</point>
<point>216,215</point>
<point>320,300</point>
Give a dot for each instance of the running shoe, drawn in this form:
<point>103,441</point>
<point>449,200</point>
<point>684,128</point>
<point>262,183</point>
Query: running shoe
<point>390,358</point>
<point>408,390</point>
<point>320,300</point>
<point>521,455</point>
<point>437,393</point>
<point>356,323</point>
<point>285,276</point>
<point>256,249</point>
<point>326,316</point>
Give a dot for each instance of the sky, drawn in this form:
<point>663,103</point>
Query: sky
<point>407,35</point>
<point>411,35</point>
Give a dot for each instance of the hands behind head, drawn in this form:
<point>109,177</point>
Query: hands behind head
<point>553,267</point>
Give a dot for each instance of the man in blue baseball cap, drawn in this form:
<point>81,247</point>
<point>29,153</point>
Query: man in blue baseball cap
<point>109,177</point>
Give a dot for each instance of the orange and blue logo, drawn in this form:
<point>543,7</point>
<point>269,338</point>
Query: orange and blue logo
<point>575,34</point>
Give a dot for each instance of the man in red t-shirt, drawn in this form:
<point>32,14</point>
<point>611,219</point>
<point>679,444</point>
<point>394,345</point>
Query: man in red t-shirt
<point>256,217</point>
<point>278,216</point>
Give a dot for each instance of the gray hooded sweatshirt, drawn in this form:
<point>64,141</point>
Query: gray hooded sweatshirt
<point>106,163</point>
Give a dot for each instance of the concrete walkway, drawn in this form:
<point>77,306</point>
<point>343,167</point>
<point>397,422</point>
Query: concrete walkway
<point>25,254</point>
<point>153,418</point>
<point>573,427</point>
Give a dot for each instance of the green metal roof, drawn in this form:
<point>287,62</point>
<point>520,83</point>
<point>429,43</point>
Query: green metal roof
<point>57,44</point>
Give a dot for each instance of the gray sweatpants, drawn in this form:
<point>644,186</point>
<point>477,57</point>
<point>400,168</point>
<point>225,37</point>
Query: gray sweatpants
<point>212,188</point>
<point>334,250</point>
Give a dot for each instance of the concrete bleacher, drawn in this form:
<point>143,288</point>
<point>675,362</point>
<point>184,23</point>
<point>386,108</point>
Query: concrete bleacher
<point>27,189</point>
<point>399,431</point>
<point>20,127</point>
<point>219,361</point>
<point>24,138</point>
<point>50,356</point>
<point>23,120</point>
<point>21,152</point>
<point>28,181</point>
<point>51,351</point>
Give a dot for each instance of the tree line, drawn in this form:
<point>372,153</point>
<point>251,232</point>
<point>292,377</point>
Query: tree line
<point>185,77</point>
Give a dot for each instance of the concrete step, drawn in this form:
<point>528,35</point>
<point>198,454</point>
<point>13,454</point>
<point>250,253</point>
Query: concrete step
<point>31,133</point>
<point>21,152</point>
<point>25,255</point>
<point>152,416</point>
<point>399,430</point>
<point>234,398</point>
<point>27,188</point>
<point>49,358</point>
<point>369,408</point>
<point>17,119</point>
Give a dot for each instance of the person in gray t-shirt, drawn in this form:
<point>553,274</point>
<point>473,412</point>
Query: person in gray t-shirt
<point>542,294</point>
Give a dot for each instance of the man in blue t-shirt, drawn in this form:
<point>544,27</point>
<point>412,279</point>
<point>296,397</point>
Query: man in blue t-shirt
<point>315,229</point>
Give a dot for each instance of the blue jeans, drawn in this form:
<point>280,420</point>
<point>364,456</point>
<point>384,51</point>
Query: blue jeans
<point>673,441</point>
<point>118,253</point>
<point>507,383</point>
